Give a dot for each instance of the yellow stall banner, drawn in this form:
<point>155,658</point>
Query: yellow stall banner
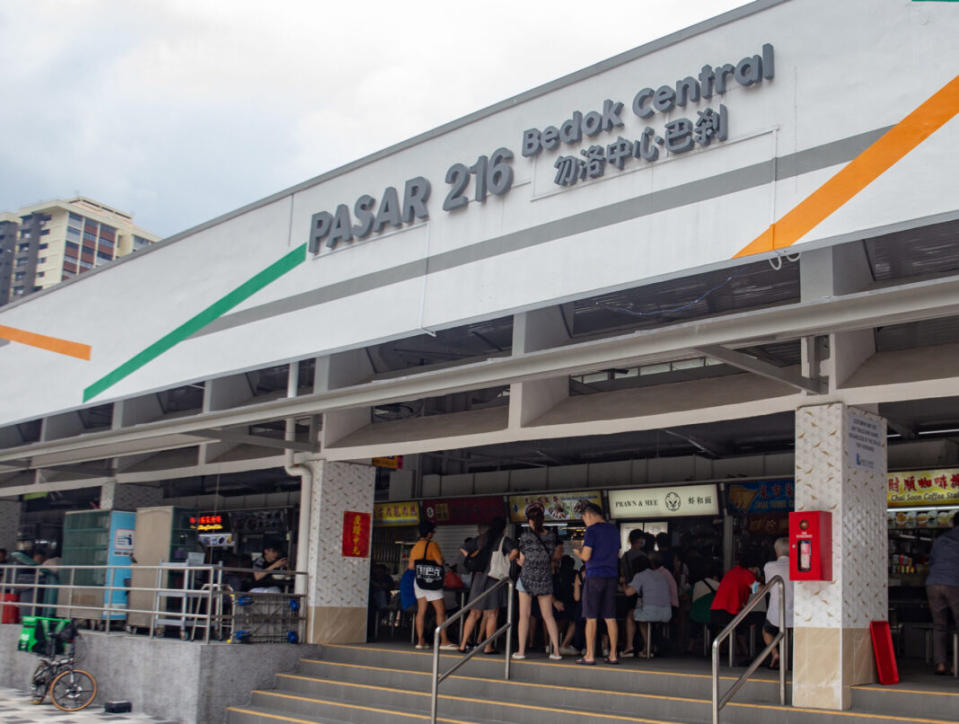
<point>403,513</point>
<point>924,487</point>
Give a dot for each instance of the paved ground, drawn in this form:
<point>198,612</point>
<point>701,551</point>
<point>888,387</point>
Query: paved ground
<point>16,708</point>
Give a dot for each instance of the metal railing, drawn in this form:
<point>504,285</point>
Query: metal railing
<point>779,639</point>
<point>201,599</point>
<point>506,627</point>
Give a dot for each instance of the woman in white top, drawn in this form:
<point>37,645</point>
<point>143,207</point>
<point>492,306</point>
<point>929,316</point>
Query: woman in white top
<point>778,567</point>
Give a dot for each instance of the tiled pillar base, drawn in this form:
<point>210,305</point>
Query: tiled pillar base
<point>827,662</point>
<point>337,624</point>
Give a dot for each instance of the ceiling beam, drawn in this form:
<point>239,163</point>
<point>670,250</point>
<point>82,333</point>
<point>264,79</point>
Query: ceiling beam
<point>240,438</point>
<point>764,369</point>
<point>895,305</point>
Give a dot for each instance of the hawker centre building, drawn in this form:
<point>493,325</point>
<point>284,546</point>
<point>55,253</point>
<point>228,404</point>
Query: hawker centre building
<point>730,254</point>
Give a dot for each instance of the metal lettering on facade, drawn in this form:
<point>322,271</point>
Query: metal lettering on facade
<point>493,174</point>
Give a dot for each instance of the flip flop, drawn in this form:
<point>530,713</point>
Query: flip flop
<point>611,662</point>
<point>584,662</point>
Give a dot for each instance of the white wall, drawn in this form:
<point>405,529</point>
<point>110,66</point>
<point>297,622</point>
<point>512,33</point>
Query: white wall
<point>830,84</point>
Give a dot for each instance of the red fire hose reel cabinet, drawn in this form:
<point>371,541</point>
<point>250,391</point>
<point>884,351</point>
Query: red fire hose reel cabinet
<point>810,545</point>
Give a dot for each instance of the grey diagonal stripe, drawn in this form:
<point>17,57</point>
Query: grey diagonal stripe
<point>758,174</point>
<point>4,342</point>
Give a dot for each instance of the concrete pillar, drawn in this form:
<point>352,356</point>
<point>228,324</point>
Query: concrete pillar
<point>841,468</point>
<point>116,496</point>
<point>338,585</point>
<point>342,370</point>
<point>534,331</point>
<point>830,272</point>
<point>9,523</point>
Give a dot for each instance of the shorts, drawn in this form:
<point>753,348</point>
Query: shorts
<point>599,597</point>
<point>770,628</point>
<point>653,613</point>
<point>436,595</point>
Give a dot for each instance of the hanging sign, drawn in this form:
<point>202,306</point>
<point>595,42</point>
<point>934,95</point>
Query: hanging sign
<point>392,462</point>
<point>463,511</point>
<point>560,507</point>
<point>761,496</point>
<point>356,534</point>
<point>923,487</point>
<point>403,513</point>
<point>663,502</point>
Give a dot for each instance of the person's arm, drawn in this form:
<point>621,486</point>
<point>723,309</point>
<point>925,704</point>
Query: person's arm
<point>577,589</point>
<point>585,553</point>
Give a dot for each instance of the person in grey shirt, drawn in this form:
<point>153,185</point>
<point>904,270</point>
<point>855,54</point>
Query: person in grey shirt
<point>942,589</point>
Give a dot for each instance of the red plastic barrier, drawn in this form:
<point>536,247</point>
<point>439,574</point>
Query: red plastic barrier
<point>884,652</point>
<point>9,614</point>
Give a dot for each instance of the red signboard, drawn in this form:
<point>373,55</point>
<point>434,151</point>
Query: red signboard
<point>356,534</point>
<point>463,511</point>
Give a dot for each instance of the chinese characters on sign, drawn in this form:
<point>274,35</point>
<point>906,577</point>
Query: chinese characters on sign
<point>681,135</point>
<point>761,496</point>
<point>404,513</point>
<point>663,502</point>
<point>923,487</point>
<point>356,534</point>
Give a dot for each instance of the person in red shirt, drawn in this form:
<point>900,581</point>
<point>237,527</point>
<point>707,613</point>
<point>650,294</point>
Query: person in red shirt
<point>734,591</point>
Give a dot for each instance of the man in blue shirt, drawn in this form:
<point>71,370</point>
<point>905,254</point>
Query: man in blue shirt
<point>600,554</point>
<point>942,589</point>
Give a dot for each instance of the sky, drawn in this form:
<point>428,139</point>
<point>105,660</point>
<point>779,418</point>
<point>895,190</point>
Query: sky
<point>181,110</point>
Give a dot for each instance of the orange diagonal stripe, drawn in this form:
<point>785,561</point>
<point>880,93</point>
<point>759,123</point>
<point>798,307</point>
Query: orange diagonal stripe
<point>52,344</point>
<point>860,172</point>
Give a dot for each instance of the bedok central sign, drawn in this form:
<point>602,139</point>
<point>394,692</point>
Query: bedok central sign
<point>493,174</point>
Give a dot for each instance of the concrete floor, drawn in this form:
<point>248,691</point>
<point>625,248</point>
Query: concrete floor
<point>16,708</point>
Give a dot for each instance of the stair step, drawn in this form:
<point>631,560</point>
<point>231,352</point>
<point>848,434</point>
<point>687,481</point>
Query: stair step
<point>664,677</point>
<point>373,684</point>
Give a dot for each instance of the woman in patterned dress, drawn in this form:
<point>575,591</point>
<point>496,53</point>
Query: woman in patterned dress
<point>536,549</point>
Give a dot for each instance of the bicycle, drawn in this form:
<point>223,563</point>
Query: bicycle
<point>71,689</point>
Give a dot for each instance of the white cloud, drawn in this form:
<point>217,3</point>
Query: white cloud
<point>180,110</point>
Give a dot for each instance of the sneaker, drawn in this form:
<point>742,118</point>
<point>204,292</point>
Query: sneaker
<point>555,657</point>
<point>569,651</point>
<point>518,656</point>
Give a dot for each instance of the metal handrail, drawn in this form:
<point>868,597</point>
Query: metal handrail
<point>507,627</point>
<point>212,593</point>
<point>780,639</point>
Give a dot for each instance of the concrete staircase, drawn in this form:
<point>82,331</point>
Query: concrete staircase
<point>376,683</point>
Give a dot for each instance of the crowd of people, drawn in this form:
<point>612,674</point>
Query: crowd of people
<point>594,602</point>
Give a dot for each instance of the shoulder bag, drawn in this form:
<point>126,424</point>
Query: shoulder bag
<point>429,574</point>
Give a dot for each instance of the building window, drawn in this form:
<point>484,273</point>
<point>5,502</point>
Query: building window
<point>41,274</point>
<point>42,260</point>
<point>101,254</point>
<point>71,246</point>
<point>44,232</point>
<point>44,245</point>
<point>19,276</point>
<point>76,217</point>
<point>73,232</point>
<point>89,236</point>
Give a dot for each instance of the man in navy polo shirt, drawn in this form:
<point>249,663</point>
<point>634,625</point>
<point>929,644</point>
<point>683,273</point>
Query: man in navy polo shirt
<point>600,554</point>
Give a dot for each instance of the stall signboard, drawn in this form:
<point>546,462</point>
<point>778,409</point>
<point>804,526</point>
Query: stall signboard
<point>391,462</point>
<point>356,534</point>
<point>559,507</point>
<point>671,502</point>
<point>208,522</point>
<point>923,487</point>
<point>463,511</point>
<point>401,513</point>
<point>761,496</point>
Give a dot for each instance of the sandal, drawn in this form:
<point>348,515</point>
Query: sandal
<point>585,662</point>
<point>611,662</point>
<point>626,652</point>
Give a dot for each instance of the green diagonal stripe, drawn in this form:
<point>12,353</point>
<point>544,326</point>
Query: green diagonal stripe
<point>217,309</point>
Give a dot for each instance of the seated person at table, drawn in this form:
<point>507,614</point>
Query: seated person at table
<point>266,570</point>
<point>653,599</point>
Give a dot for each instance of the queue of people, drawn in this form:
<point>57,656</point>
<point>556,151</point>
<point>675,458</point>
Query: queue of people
<point>648,592</point>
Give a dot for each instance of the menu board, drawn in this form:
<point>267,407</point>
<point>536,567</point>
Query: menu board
<point>917,488</point>
<point>404,513</point>
<point>936,518</point>
<point>559,507</point>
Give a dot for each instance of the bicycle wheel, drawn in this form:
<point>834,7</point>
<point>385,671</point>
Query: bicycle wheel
<point>73,690</point>
<point>40,682</point>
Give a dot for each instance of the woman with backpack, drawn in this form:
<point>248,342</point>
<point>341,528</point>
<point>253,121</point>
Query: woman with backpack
<point>537,548</point>
<point>486,557</point>
<point>426,561</point>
